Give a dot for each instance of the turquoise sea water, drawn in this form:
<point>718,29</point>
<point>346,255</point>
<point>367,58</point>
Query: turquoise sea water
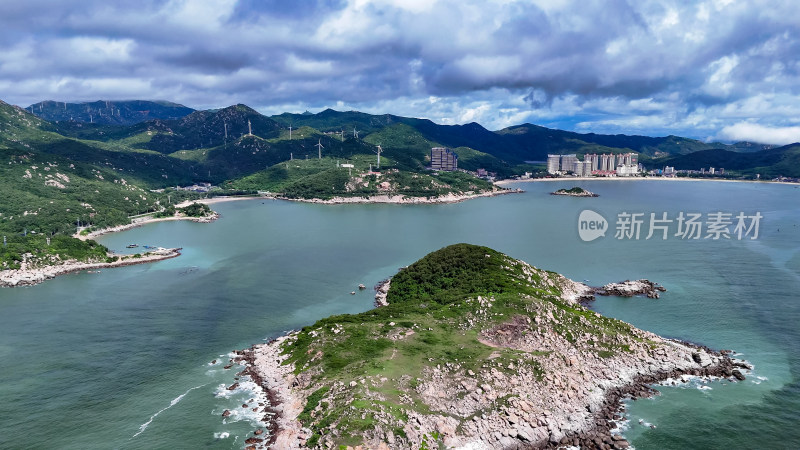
<point>122,358</point>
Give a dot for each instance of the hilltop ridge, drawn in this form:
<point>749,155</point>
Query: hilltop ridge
<point>105,112</point>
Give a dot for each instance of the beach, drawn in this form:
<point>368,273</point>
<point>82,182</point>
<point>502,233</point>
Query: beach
<point>566,179</point>
<point>220,199</point>
<point>382,198</point>
<point>144,221</point>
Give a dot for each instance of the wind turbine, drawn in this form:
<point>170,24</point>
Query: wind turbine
<point>290,131</point>
<point>319,148</point>
<point>379,155</point>
<point>355,133</point>
<point>341,132</point>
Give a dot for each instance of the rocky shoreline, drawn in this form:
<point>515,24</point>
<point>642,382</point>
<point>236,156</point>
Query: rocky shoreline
<point>381,292</point>
<point>587,390</point>
<point>626,288</point>
<point>575,192</point>
<point>263,364</point>
<point>402,199</point>
<point>609,414</point>
<point>32,276</point>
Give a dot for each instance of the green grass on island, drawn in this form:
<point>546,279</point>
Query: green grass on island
<point>38,252</point>
<point>575,191</point>
<point>437,309</point>
<point>326,178</point>
<point>194,209</point>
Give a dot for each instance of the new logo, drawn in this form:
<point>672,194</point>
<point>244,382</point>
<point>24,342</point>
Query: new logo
<point>591,225</point>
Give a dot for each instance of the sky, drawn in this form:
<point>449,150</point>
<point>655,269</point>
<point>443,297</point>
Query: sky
<point>722,70</point>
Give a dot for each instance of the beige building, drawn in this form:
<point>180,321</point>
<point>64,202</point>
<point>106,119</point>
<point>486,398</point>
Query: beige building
<point>442,158</point>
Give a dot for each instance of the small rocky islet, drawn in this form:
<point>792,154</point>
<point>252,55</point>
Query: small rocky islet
<point>575,192</point>
<point>469,348</point>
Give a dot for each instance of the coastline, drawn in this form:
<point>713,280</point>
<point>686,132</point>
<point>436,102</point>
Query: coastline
<point>143,221</point>
<point>220,199</point>
<point>264,365</point>
<point>34,276</point>
<point>721,180</point>
<point>386,198</point>
<point>382,198</point>
<point>589,390</point>
<point>402,199</point>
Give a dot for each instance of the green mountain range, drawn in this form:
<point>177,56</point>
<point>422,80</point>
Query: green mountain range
<point>115,154</point>
<point>770,163</point>
<point>102,112</point>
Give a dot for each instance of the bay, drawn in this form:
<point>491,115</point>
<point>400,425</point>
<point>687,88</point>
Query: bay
<point>122,358</point>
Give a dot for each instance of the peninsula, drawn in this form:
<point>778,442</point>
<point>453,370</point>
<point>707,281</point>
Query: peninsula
<point>471,349</point>
<point>33,270</point>
<point>42,258</point>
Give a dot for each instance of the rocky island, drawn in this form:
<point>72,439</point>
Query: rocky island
<point>471,349</point>
<point>575,192</point>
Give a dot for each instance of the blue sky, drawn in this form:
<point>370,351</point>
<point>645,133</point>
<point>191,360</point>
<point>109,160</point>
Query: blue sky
<point>709,69</point>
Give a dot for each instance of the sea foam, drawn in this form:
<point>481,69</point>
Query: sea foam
<point>174,402</point>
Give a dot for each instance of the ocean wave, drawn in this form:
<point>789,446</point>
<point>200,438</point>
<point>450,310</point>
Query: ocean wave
<point>174,402</point>
<point>222,435</point>
<point>246,392</point>
<point>644,423</point>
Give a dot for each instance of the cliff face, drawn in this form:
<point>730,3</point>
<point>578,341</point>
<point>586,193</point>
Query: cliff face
<point>474,349</point>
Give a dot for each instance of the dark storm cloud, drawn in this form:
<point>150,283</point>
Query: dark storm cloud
<point>648,66</point>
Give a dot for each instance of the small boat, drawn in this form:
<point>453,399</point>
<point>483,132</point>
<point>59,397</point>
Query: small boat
<point>361,287</point>
<point>131,245</point>
<point>353,293</point>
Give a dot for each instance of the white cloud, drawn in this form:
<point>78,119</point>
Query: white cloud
<point>719,82</point>
<point>753,132</point>
<point>650,66</point>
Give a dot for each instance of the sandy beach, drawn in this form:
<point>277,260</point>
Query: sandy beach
<point>382,198</point>
<point>143,221</point>
<point>532,180</point>
<point>220,199</point>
